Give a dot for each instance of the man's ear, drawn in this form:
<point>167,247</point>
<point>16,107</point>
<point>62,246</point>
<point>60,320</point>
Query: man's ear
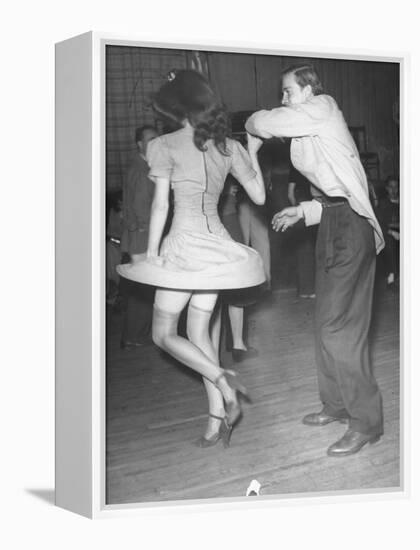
<point>308,91</point>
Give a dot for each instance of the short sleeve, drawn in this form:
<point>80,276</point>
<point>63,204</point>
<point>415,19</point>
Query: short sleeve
<point>159,159</point>
<point>241,167</point>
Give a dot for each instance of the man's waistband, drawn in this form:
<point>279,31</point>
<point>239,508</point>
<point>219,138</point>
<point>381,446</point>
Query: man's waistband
<point>328,202</point>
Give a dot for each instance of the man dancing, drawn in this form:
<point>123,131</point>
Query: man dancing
<point>324,152</point>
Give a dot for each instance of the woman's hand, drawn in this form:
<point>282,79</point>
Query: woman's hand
<point>254,143</point>
<point>154,258</point>
<point>291,193</point>
<point>134,258</point>
<point>286,218</point>
<point>151,254</point>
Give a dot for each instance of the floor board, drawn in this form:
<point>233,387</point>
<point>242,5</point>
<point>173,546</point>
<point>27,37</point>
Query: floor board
<point>156,408</point>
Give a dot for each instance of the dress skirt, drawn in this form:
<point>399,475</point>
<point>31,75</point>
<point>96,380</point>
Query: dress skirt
<point>191,260</point>
<point>198,253</point>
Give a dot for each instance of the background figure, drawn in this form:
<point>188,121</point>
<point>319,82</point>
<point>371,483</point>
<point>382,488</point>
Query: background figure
<point>254,222</point>
<point>137,200</point>
<point>373,196</point>
<point>277,157</point>
<point>114,231</point>
<point>233,300</point>
<point>299,189</point>
<point>389,217</point>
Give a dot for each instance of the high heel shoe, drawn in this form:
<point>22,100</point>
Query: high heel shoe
<point>233,408</point>
<point>225,433</point>
<point>204,443</point>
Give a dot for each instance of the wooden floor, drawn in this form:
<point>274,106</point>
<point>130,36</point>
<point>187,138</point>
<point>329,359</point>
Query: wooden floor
<point>156,408</point>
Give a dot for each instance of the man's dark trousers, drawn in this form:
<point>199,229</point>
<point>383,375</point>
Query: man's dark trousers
<point>139,310</point>
<point>345,272</point>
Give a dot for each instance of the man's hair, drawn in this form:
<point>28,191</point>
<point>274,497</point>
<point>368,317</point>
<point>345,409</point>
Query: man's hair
<point>140,131</point>
<point>305,74</point>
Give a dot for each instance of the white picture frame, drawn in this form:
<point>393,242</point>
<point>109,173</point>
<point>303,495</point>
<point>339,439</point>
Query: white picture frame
<point>80,265</point>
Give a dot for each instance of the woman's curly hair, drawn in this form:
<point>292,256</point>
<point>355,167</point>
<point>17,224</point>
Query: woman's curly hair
<point>189,96</point>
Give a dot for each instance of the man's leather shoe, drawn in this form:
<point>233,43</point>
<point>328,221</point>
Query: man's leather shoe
<point>351,443</point>
<point>321,419</point>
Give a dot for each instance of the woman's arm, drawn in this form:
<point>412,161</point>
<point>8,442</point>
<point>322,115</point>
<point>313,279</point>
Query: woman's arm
<point>159,213</point>
<point>291,193</point>
<point>255,187</point>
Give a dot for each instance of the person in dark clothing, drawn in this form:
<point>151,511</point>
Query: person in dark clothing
<point>299,189</point>
<point>138,192</point>
<point>234,301</point>
<point>389,217</point>
<point>114,228</point>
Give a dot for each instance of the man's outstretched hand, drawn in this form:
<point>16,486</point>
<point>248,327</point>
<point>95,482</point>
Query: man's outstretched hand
<point>286,218</point>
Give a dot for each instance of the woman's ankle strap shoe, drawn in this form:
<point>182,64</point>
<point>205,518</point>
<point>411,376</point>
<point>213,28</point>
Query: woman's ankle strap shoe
<point>205,442</point>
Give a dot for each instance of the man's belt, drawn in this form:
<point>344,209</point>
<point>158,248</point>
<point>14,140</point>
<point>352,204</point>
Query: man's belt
<point>330,202</point>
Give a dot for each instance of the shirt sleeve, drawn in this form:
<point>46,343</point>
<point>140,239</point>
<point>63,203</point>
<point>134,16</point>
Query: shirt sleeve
<point>159,159</point>
<point>241,167</point>
<point>300,120</point>
<point>312,211</point>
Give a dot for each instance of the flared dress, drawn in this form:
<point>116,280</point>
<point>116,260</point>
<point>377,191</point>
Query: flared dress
<point>198,253</point>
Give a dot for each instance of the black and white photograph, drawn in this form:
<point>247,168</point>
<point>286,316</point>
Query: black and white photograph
<point>252,275</point>
<point>210,299</point>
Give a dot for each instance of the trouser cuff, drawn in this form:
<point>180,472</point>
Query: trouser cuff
<point>337,413</point>
<point>362,428</point>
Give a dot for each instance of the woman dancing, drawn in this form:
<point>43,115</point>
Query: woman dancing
<point>198,257</point>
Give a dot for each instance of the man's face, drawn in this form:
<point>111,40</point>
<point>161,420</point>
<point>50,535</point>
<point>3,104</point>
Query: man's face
<point>293,94</point>
<point>148,135</point>
<point>393,189</point>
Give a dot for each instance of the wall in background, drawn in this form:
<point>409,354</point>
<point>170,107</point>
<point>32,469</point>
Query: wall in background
<point>132,75</point>
<point>367,93</point>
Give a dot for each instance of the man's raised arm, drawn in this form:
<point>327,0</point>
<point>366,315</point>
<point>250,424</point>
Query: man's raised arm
<point>300,120</point>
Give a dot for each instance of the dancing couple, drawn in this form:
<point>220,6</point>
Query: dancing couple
<point>198,258</point>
